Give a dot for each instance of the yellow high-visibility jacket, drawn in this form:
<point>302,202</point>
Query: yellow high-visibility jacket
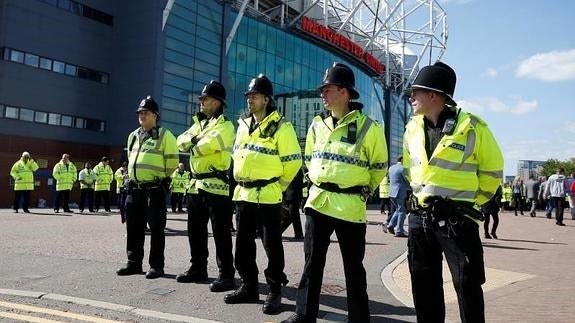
<point>104,177</point>
<point>331,157</point>
<point>179,181</point>
<point>23,174</point>
<point>88,176</point>
<point>153,159</point>
<point>64,176</point>
<point>466,165</point>
<point>507,193</point>
<point>384,188</point>
<point>213,151</point>
<point>259,156</point>
<point>119,176</point>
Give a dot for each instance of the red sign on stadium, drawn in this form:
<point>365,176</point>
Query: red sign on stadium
<point>342,42</point>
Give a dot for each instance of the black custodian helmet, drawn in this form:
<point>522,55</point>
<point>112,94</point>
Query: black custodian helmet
<point>216,90</point>
<point>341,75</point>
<point>438,77</point>
<point>262,85</point>
<point>148,104</point>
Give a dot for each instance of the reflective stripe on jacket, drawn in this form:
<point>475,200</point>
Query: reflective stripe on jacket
<point>332,158</point>
<point>104,177</point>
<point>64,176</point>
<point>466,165</point>
<point>23,175</point>
<point>154,158</point>
<point>213,151</point>
<point>260,157</point>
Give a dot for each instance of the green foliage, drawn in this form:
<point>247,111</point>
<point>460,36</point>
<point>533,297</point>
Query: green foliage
<point>551,165</point>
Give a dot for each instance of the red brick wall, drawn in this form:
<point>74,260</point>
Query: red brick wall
<point>50,151</point>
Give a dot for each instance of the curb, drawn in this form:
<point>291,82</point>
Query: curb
<point>389,282</point>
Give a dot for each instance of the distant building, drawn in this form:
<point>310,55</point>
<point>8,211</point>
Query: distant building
<point>526,168</point>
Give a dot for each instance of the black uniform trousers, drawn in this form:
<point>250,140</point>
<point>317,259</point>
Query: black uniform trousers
<point>202,207</point>
<point>351,238</point>
<point>458,238</point>
<point>86,194</point>
<point>559,209</point>
<point>23,195</point>
<point>105,195</point>
<point>290,215</point>
<point>62,199</point>
<point>264,220</point>
<point>146,206</point>
<point>176,201</point>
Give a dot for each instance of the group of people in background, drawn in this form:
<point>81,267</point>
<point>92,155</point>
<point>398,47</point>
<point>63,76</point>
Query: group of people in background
<point>440,176</point>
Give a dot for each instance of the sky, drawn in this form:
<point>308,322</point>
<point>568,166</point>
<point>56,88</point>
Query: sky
<point>515,65</point>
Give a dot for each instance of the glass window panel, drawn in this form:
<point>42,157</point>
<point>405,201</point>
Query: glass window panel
<point>177,69</point>
<point>104,78</point>
<point>80,123</point>
<point>177,81</point>
<point>1,111</point>
<point>16,56</point>
<point>179,46</point>
<point>11,113</point>
<point>180,35</point>
<point>45,63</point>
<point>31,60</point>
<point>242,32</point>
<point>54,119</point>
<point>66,121</point>
<point>179,58</point>
<point>40,116</point>
<point>6,54</point>
<point>70,70</point>
<point>58,67</point>
<point>241,52</point>
<point>26,114</point>
<point>76,8</point>
<point>175,93</point>
<point>252,40</point>
<point>261,62</point>
<point>181,23</point>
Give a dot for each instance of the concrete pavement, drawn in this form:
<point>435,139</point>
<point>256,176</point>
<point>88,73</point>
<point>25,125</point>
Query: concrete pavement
<point>530,276</point>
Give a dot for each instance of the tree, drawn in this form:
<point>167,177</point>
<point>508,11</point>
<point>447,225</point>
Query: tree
<point>551,165</point>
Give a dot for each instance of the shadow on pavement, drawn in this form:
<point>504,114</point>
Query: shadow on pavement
<point>532,241</point>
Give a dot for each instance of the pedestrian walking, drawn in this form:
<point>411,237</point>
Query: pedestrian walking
<point>399,189</point>
<point>22,173</point>
<point>453,162</point>
<point>532,191</point>
<point>266,157</point>
<point>87,179</point>
<point>209,141</point>
<point>105,176</point>
<point>152,154</point>
<point>555,192</point>
<point>491,210</point>
<point>346,155</point>
<point>65,174</point>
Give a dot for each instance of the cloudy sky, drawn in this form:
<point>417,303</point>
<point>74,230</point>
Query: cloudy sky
<point>515,63</point>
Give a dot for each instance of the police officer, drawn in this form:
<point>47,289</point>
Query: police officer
<point>104,177</point>
<point>23,174</point>
<point>266,156</point>
<point>180,179</point>
<point>209,142</point>
<point>64,173</point>
<point>87,177</point>
<point>122,178</point>
<point>452,162</point>
<point>346,156</point>
<point>152,154</point>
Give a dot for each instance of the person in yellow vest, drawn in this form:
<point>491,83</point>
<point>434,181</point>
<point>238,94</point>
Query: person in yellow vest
<point>23,174</point>
<point>506,195</point>
<point>346,155</point>
<point>152,154</point>
<point>180,178</point>
<point>104,178</point>
<point>121,177</point>
<point>266,157</point>
<point>65,174</point>
<point>454,165</point>
<point>384,197</point>
<point>87,179</point>
<point>209,142</point>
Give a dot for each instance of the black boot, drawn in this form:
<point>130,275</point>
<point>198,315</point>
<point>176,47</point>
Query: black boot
<point>245,294</point>
<point>222,285</point>
<point>192,276</point>
<point>295,318</point>
<point>273,302</point>
<point>130,269</point>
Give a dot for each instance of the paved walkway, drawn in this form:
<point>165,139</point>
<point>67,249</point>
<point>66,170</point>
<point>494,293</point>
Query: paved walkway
<point>530,271</point>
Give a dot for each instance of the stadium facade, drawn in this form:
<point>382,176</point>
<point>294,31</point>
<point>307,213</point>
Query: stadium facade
<point>72,72</point>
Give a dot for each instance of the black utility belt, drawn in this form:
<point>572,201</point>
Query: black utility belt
<point>331,187</point>
<point>143,185</point>
<point>219,175</point>
<point>441,209</point>
<point>258,183</point>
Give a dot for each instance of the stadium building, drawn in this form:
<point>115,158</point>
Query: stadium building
<point>72,72</point>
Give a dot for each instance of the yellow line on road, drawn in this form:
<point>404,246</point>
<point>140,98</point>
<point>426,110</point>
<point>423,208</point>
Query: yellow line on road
<point>26,318</point>
<point>55,312</point>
